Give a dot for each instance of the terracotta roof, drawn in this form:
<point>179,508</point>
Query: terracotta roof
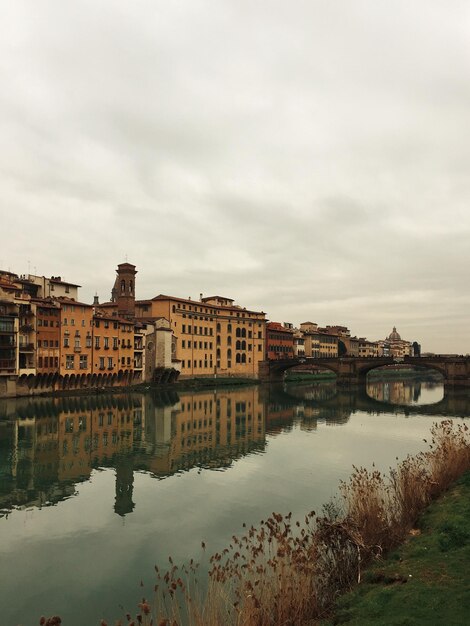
<point>57,280</point>
<point>66,300</point>
<point>206,304</point>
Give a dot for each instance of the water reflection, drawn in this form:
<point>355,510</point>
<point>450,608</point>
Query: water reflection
<point>47,446</point>
<point>119,471</point>
<point>406,392</point>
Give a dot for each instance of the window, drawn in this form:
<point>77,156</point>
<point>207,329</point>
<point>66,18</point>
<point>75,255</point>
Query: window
<point>69,361</point>
<point>106,343</point>
<point>83,362</point>
<point>97,342</point>
<point>110,362</point>
<point>72,322</point>
<point>66,342</point>
<point>115,343</point>
<point>101,362</point>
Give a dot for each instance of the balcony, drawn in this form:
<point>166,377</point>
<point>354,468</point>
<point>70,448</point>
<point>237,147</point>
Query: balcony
<point>106,347</point>
<point>26,347</point>
<point>8,365</point>
<point>77,349</point>
<point>27,328</point>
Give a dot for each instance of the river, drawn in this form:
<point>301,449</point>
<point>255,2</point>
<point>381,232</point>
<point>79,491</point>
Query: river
<point>97,490</point>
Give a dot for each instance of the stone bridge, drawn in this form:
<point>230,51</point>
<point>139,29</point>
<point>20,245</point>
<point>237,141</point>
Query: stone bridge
<point>352,370</point>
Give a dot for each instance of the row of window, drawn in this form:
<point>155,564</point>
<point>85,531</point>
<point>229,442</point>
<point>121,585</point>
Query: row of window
<point>48,343</point>
<point>279,337</point>
<point>203,330</point>
<point>52,361</point>
<point>51,312</point>
<point>281,349</point>
<point>83,362</point>
<point>194,344</point>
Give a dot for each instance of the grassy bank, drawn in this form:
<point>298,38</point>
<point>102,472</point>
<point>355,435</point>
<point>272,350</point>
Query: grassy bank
<point>425,581</point>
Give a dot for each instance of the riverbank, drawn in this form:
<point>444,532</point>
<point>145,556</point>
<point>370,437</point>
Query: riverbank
<point>426,580</point>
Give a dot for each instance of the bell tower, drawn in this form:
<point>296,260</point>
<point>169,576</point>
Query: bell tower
<point>124,289</point>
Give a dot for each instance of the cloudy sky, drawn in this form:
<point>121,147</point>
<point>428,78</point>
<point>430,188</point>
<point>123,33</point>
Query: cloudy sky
<point>307,158</point>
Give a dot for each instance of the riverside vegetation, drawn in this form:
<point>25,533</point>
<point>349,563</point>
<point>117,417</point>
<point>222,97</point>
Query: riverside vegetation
<point>292,572</point>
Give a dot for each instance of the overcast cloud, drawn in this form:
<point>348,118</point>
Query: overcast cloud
<point>309,159</point>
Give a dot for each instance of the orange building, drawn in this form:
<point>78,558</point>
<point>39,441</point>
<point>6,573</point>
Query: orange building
<point>48,332</point>
<point>113,344</point>
<point>212,336</point>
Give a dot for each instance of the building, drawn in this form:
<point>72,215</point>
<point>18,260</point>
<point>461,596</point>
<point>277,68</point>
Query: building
<point>395,346</point>
<point>212,336</point>
<point>76,338</point>
<point>48,333</point>
<point>279,342</point>
<point>368,349</point>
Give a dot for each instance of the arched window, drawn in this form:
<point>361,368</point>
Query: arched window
<point>218,340</point>
<point>243,345</point>
<point>131,286</point>
<point>229,341</point>
<point>229,353</point>
<point>243,358</point>
<point>218,353</point>
<point>237,345</point>
<point>218,327</point>
<point>123,286</point>
<point>229,328</point>
<point>243,332</point>
<point>237,358</point>
<point>238,332</point>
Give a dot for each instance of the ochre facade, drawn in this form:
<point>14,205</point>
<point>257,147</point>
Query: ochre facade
<point>211,336</point>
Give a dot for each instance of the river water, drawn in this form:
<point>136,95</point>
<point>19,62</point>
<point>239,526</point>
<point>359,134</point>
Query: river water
<point>95,491</point>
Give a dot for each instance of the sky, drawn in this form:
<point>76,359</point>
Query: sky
<point>308,159</point>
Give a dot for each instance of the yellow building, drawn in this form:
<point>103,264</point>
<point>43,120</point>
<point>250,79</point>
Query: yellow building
<point>212,336</point>
<point>76,338</point>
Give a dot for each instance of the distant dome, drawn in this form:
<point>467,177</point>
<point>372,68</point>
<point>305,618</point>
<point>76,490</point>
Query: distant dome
<point>394,336</point>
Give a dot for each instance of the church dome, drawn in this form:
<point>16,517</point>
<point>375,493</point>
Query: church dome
<point>394,336</point>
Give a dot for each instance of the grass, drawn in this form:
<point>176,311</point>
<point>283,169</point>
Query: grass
<point>426,580</point>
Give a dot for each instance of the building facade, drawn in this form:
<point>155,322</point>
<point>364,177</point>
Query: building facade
<point>212,336</point>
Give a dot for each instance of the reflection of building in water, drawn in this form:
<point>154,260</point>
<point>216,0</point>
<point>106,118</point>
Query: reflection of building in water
<point>395,392</point>
<point>47,452</point>
<point>205,429</point>
<point>57,443</point>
